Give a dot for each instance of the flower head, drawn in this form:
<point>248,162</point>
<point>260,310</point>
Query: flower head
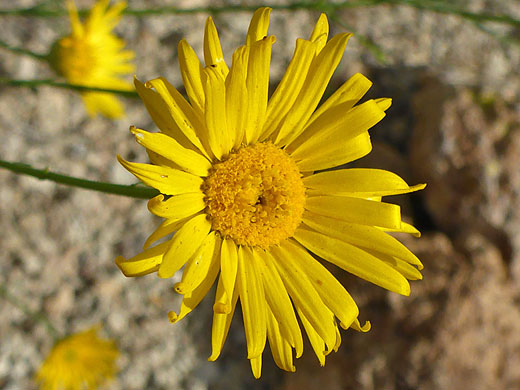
<point>239,194</point>
<point>81,361</point>
<point>94,57</point>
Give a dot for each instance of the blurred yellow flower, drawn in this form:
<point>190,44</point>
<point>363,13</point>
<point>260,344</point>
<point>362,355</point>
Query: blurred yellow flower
<point>237,172</point>
<point>93,56</point>
<point>81,361</point>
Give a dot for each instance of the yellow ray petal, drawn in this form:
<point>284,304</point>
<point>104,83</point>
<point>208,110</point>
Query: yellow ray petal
<point>256,366</point>
<point>304,295</point>
<point>219,139</point>
<point>332,292</point>
<point>279,302</point>
<point>103,103</point>
<point>184,244</point>
<point>144,263</point>
<point>167,227</point>
<point>366,237</point>
<point>258,26</point>
<point>333,155</point>
<point>257,84</point>
<point>280,347</point>
<point>178,206</point>
<point>236,96</point>
<point>160,113</point>
<point>338,124</point>
<point>317,343</point>
<point>355,210</point>
<point>75,23</point>
<point>358,182</point>
<point>192,299</point>
<point>357,326</point>
<point>213,56</point>
<point>252,299</point>
<point>167,180</point>
<point>181,112</point>
<point>221,320</point>
<point>191,69</point>
<point>287,91</point>
<point>320,33</point>
<point>197,268</point>
<point>353,260</point>
<point>228,265</point>
<point>167,147</point>
<point>320,72</point>
<point>405,228</point>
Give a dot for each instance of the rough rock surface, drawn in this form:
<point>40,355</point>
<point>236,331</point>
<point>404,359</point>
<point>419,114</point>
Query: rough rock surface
<point>454,124</point>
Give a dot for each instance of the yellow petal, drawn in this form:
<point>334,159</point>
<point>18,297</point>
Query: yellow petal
<point>357,326</point>
<point>181,112</point>
<point>169,148</point>
<point>287,91</point>
<point>333,155</point>
<point>192,299</point>
<point>102,103</point>
<point>338,124</point>
<point>320,72</point>
<point>160,113</point>
<point>353,260</point>
<point>184,244</point>
<point>219,139</point>
<point>236,96</point>
<point>405,228</point>
<point>252,299</point>
<point>167,180</point>
<point>197,268</point>
<point>221,321</point>
<point>167,227</point>
<point>317,343</point>
<point>333,294</point>
<point>228,265</point>
<point>257,84</point>
<point>366,237</point>
<point>178,206</point>
<point>384,103</point>
<point>303,294</point>
<point>258,25</point>
<point>280,347</point>
<point>358,182</point>
<point>75,23</point>
<point>144,263</point>
<point>191,75</point>
<point>256,366</point>
<point>213,56</point>
<point>320,33</point>
<point>355,210</point>
<point>279,302</point>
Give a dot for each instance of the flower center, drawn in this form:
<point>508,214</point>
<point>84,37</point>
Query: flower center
<point>74,59</point>
<point>256,197</point>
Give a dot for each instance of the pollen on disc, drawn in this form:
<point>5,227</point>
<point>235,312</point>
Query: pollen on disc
<point>256,197</point>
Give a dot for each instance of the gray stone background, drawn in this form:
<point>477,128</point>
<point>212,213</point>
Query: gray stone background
<point>454,124</point>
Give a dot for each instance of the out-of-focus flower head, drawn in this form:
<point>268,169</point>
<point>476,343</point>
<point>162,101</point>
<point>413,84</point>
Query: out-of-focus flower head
<point>93,56</point>
<point>81,361</point>
<point>248,194</point>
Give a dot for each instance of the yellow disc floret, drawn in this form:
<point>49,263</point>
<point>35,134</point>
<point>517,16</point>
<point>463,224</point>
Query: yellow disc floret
<point>256,197</point>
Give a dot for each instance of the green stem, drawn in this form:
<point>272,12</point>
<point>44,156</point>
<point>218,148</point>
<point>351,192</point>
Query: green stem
<point>58,84</point>
<point>38,316</point>
<point>132,191</point>
<point>19,50</point>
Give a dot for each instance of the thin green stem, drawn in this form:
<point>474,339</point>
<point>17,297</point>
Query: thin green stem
<point>19,50</point>
<point>38,316</point>
<point>58,84</point>
<point>132,191</point>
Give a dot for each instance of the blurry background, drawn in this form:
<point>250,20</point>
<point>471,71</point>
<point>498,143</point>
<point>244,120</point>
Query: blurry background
<point>454,123</point>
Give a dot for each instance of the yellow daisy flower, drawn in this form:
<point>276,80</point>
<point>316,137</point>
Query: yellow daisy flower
<point>94,57</point>
<point>236,175</point>
<point>81,361</point>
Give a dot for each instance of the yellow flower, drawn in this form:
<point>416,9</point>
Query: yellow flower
<point>81,361</point>
<point>237,173</point>
<point>93,56</point>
